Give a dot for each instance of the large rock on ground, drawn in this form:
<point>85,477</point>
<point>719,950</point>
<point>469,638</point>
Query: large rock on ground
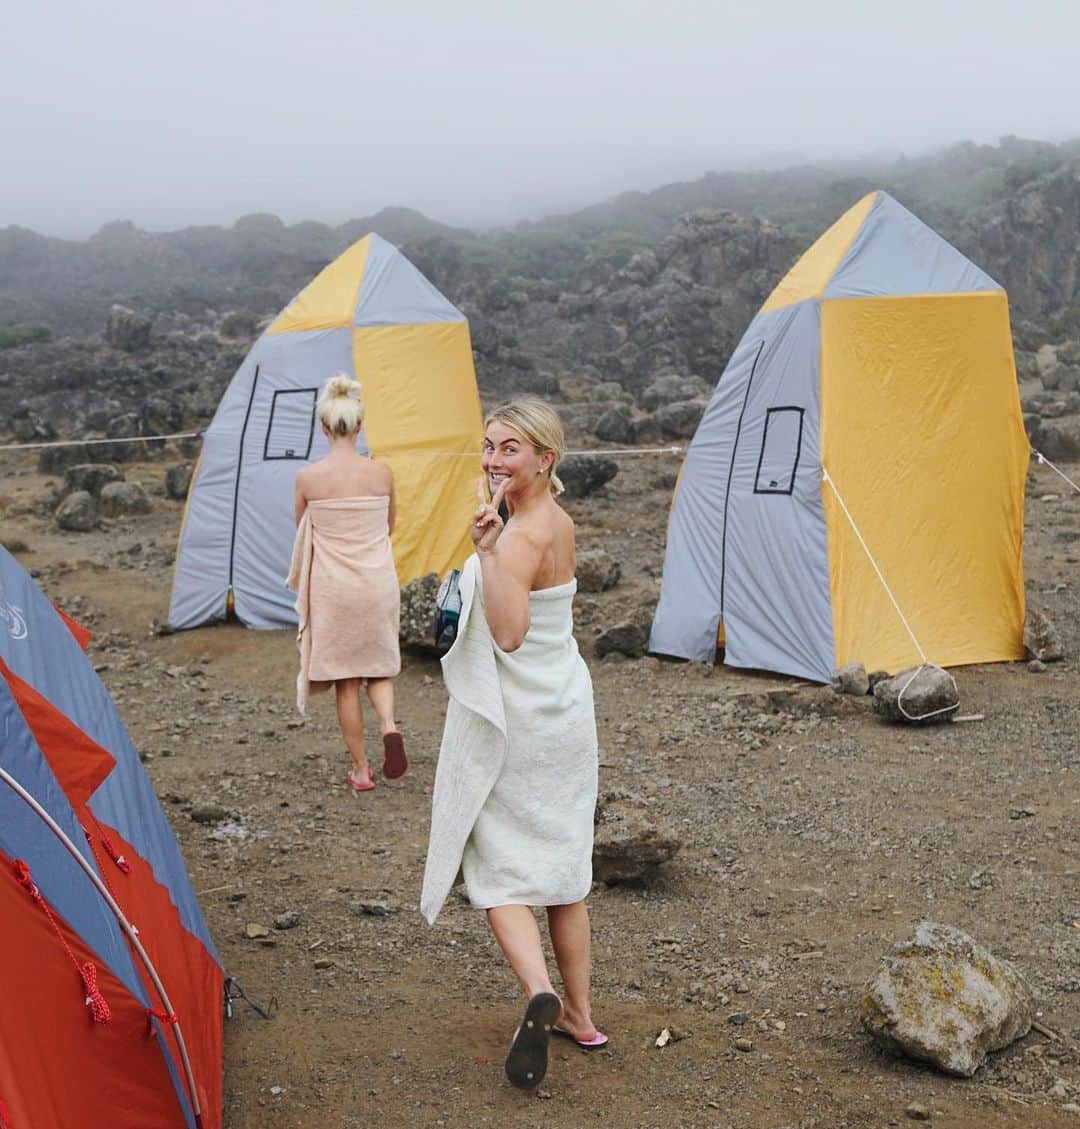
<point>597,571</point>
<point>121,498</point>
<point>78,512</point>
<point>583,475</point>
<point>944,999</point>
<point>91,477</point>
<point>178,481</point>
<point>127,330</point>
<point>418,612</point>
<point>670,388</point>
<point>1041,638</point>
<point>679,420</point>
<point>626,638</point>
<point>851,679</point>
<point>616,425</point>
<point>629,843</point>
<point>921,694</point>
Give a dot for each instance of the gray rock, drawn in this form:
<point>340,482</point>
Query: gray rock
<point>1041,638</point>
<point>78,512</point>
<point>52,460</point>
<point>851,679</point>
<point>1060,441</point>
<point>645,430</point>
<point>290,919</point>
<point>584,475</point>
<point>120,498</point>
<point>91,477</point>
<point>239,325</point>
<point>597,571</point>
<point>921,694</point>
<point>626,638</point>
<point>208,813</point>
<point>127,330</point>
<point>876,676</point>
<point>944,999</point>
<point>616,425</point>
<point>178,481</point>
<point>629,843</point>
<point>680,420</point>
<point>418,612</point>
<point>671,389</point>
<point>161,415</point>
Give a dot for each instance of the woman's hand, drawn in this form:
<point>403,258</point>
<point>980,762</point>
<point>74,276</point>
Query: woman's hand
<point>486,524</point>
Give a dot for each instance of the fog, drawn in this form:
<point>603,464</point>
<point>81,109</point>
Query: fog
<point>483,112</point>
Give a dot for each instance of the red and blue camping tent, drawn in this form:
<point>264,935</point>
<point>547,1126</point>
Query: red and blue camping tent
<point>112,990</point>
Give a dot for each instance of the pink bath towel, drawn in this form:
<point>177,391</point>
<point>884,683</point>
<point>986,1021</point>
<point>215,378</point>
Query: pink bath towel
<point>347,594</point>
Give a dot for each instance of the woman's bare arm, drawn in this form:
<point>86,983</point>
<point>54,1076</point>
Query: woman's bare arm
<point>300,498</point>
<point>508,570</point>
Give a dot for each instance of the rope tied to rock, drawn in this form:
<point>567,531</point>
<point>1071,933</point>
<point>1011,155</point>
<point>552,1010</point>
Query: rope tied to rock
<point>926,664</point>
<point>100,1012</point>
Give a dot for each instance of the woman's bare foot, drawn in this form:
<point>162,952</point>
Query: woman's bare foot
<point>578,1024</point>
<point>361,778</point>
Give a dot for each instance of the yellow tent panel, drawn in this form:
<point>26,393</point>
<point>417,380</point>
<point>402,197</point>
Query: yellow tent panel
<point>921,435</point>
<point>329,300</point>
<point>812,272</point>
<point>422,418</point>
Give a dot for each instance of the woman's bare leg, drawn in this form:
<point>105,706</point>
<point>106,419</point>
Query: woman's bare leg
<point>351,719</point>
<point>380,692</point>
<point>516,931</point>
<point>571,940</point>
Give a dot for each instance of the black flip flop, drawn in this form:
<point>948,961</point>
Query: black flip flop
<point>527,1062</point>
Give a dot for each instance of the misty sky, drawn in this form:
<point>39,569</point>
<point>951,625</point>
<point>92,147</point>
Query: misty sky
<point>478,112</point>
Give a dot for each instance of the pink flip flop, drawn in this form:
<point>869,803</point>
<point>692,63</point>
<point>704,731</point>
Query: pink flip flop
<point>594,1044</point>
<point>359,786</point>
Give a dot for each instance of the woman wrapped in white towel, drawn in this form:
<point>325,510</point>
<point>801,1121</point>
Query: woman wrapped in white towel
<point>515,788</point>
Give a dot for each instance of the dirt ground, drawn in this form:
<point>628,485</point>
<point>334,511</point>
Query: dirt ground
<point>813,837</point>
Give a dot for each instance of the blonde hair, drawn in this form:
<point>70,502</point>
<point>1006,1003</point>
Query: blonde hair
<point>539,425</point>
<point>340,407</point>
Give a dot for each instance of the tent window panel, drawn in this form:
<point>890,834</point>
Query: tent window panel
<point>292,424</point>
<point>781,446</point>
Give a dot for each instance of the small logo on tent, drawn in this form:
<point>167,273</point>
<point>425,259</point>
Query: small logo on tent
<point>12,618</point>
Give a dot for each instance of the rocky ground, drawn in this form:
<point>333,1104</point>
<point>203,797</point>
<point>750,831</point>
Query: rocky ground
<point>812,836</point>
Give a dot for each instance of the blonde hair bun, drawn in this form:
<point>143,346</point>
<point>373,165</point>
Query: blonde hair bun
<point>340,407</point>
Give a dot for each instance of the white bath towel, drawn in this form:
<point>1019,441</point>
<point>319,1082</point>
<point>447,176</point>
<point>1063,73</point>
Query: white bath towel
<point>515,786</point>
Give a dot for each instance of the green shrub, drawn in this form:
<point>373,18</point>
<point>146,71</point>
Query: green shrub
<point>11,336</point>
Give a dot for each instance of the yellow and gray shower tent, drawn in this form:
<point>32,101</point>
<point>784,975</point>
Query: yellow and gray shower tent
<point>854,491</point>
<point>372,315</point>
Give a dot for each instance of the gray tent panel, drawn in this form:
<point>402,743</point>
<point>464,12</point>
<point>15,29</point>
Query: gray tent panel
<point>895,253</point>
<point>394,292</point>
<point>688,614</point>
<point>776,598</point>
<point>746,542</point>
<point>239,527</point>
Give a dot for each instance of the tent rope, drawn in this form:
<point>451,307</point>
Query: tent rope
<point>1042,459</point>
<point>926,663</point>
<point>100,1011</point>
<point>673,450</point>
<point>98,442</point>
